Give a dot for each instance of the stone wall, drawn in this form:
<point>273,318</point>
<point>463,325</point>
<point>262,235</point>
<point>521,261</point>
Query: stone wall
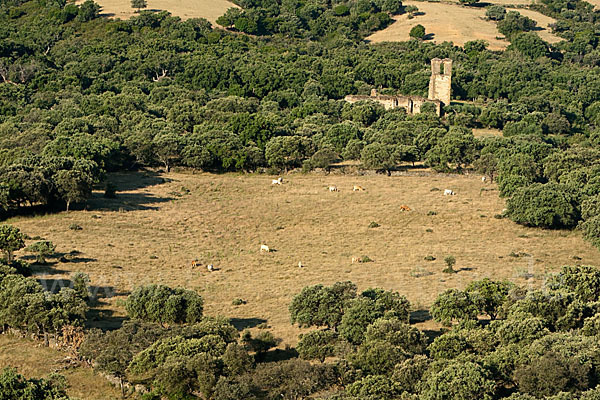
<point>440,83</point>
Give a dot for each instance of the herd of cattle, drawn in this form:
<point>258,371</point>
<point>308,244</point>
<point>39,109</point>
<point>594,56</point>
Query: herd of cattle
<point>356,188</point>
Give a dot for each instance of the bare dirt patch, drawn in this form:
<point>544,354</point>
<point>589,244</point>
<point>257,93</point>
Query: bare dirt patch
<point>209,9</point>
<point>153,231</point>
<point>458,24</point>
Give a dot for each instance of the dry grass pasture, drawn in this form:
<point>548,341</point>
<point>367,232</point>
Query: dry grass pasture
<point>454,23</point>
<point>185,9</point>
<point>223,219</point>
<point>487,132</point>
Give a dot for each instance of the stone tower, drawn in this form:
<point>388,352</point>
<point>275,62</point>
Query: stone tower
<point>440,82</point>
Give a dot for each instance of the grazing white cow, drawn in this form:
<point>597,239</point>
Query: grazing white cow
<point>210,268</point>
<point>333,189</point>
<point>300,264</point>
<point>355,259</point>
<point>277,181</point>
<point>265,248</point>
<point>449,192</point>
<point>483,179</point>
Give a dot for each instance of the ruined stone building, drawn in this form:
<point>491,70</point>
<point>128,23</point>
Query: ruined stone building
<point>439,91</point>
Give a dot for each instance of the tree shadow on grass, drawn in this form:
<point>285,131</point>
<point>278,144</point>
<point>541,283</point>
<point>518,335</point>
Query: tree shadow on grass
<point>279,355</point>
<point>126,181</point>
<point>431,334</point>
<point>104,319</point>
<point>420,316</point>
<point>243,323</point>
<point>46,269</point>
<point>126,202</point>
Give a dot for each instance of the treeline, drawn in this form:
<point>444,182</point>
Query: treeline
<point>311,19</point>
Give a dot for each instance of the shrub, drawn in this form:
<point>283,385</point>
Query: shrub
<point>317,345</point>
<point>544,205</point>
<point>11,240</point>
<point>42,249</point>
<point>495,12</point>
<point>417,32</point>
<point>458,380</point>
<point>453,304</point>
<point>158,303</point>
<point>16,386</point>
<point>450,261</point>
<point>374,224</point>
<point>75,227</point>
<point>321,306</point>
<point>238,302</point>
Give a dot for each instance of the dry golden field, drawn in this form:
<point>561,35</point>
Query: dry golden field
<point>155,228</point>
<point>225,218</point>
<point>458,24</point>
<point>185,9</point>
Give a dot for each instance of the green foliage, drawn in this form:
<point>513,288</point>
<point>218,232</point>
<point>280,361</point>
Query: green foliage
<point>379,156</point>
<point>417,32</point>
<point>25,306</point>
<point>520,328</point>
<point>321,306</point>
<point>458,380</point>
<point>88,11</point>
<point>11,240</point>
<point>453,304</point>
<point>139,4</point>
<point>80,284</point>
<point>544,205</point>
<point>14,386</point>
<point>374,387</point>
<point>286,152</point>
<point>371,305</point>
<point>495,12</point>
<point>514,23</point>
<point>531,45</point>
<point>489,296</point>
<point>158,303</point>
<point>317,345</point>
<point>557,363</point>
<point>450,261</point>
<point>261,343</point>
<point>456,148</point>
<point>42,249</point>
<point>449,346</point>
